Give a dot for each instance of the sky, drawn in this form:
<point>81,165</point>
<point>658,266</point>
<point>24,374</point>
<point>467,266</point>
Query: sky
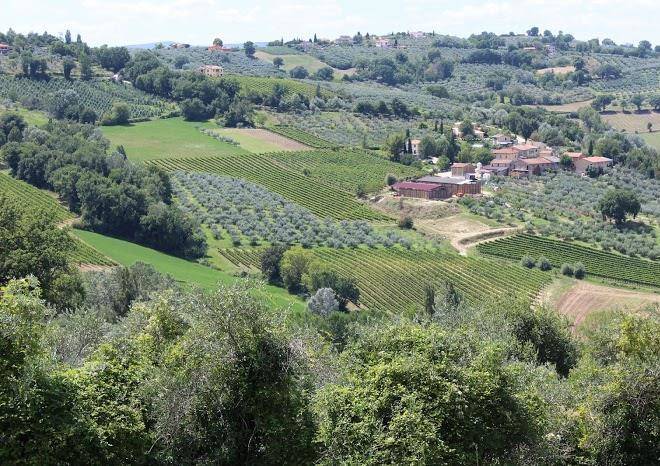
<point>124,22</point>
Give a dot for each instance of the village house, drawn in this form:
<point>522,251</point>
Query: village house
<point>506,153</point>
<point>500,140</point>
<point>218,48</point>
<point>525,151</point>
<point>479,133</point>
<point>383,42</point>
<point>582,164</point>
<point>414,147</point>
<point>417,34</point>
<point>459,169</point>
<point>500,166</point>
<point>212,71</point>
<point>343,40</point>
<point>532,166</point>
<point>4,49</point>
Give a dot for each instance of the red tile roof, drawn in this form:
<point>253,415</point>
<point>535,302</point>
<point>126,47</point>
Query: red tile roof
<point>597,158</point>
<point>536,161</point>
<point>416,185</point>
<point>508,150</point>
<point>524,147</point>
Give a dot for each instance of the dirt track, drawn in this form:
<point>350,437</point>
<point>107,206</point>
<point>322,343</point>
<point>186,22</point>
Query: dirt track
<point>584,298</point>
<point>462,232</point>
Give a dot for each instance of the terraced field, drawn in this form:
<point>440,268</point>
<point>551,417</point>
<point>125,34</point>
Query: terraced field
<point>321,199</point>
<point>346,169</point>
<point>394,279</point>
<point>598,263</point>
<point>34,198</point>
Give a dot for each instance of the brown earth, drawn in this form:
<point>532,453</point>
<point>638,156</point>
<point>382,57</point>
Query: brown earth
<point>583,298</point>
<point>264,135</point>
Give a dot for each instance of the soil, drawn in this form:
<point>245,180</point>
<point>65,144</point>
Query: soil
<point>272,138</point>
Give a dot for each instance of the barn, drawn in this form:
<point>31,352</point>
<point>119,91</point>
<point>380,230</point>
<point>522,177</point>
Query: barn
<point>419,190</point>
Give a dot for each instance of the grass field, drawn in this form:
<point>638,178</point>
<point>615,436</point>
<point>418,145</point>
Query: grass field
<point>264,86</point>
<point>652,139</point>
<point>310,63</point>
<point>260,140</point>
<point>566,108</point>
<point>322,199</point>
<point>632,122</point>
<point>126,253</point>
<point>32,117</point>
<point>172,137</point>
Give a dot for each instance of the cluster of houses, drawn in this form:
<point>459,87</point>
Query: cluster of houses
<point>515,158</point>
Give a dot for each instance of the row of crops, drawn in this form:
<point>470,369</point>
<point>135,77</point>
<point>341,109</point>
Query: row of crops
<point>302,137</point>
<point>34,199</point>
<point>247,211</point>
<point>263,86</point>
<point>98,95</point>
<point>250,258</point>
<point>394,279</point>
<point>599,263</point>
<point>87,255</point>
<point>323,200</point>
<point>346,169</point>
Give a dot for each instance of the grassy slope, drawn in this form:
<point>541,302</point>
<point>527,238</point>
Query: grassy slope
<point>32,117</point>
<point>127,253</point>
<point>172,137</point>
<point>652,139</point>
<point>312,64</point>
<point>248,142</point>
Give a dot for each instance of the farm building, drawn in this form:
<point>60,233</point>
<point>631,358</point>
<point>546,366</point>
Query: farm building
<point>212,71</point>
<point>419,190</point>
<point>462,169</point>
<point>453,186</point>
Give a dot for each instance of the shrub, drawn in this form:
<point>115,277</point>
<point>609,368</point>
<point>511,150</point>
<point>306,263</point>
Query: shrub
<point>323,302</point>
<point>579,270</point>
<point>567,269</point>
<point>390,179</point>
<point>405,223</point>
<point>544,264</point>
<point>527,261</point>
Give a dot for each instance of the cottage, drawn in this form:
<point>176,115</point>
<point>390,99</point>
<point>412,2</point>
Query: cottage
<point>506,153</point>
<point>4,49</point>
<point>533,166</point>
<point>212,71</point>
<point>462,169</point>
<point>526,150</point>
<point>583,163</point>
<point>419,190</point>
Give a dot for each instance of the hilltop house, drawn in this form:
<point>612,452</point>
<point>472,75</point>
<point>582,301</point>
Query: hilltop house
<point>4,49</point>
<point>417,34</point>
<point>526,150</point>
<point>383,42</point>
<point>506,153</point>
<point>218,48</point>
<point>343,40</point>
<point>212,71</point>
<point>584,163</point>
<point>532,166</point>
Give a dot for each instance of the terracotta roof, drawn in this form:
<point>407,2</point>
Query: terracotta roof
<point>524,147</point>
<point>574,155</point>
<point>597,158</point>
<point>535,161</point>
<point>506,150</point>
<point>416,185</point>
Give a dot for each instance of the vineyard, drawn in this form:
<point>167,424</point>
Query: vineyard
<point>302,137</point>
<point>87,255</point>
<point>346,169</point>
<point>35,199</point>
<point>98,95</point>
<point>394,279</point>
<point>323,200</point>
<point>249,258</point>
<point>599,263</point>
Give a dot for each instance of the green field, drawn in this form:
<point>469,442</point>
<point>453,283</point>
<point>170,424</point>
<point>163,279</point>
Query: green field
<point>33,198</point>
<point>310,63</point>
<point>253,140</point>
<point>322,199</point>
<point>598,263</point>
<point>32,117</point>
<point>172,137</point>
<point>264,86</point>
<point>652,139</point>
<point>126,253</point>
